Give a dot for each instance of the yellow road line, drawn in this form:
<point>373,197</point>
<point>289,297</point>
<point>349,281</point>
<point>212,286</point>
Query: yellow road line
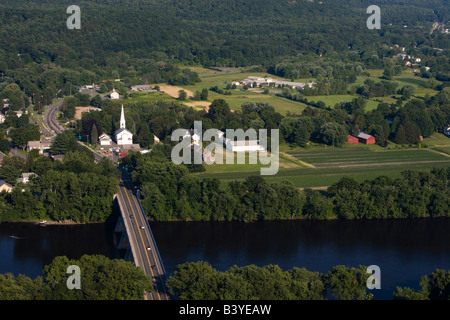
<point>142,239</point>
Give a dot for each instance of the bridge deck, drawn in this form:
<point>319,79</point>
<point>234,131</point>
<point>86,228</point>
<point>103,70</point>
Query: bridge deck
<point>142,242</point>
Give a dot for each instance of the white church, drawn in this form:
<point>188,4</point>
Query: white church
<point>123,136</point>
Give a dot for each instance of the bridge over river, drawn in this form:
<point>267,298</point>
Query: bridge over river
<point>138,233</point>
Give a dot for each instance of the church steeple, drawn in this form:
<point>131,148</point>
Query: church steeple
<point>122,119</point>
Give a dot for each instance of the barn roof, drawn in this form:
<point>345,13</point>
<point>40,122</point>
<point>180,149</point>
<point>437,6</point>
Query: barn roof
<point>362,135</point>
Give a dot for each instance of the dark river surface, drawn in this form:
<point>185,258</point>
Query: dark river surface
<point>404,249</point>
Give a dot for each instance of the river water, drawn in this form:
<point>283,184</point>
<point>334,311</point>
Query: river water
<point>404,249</point>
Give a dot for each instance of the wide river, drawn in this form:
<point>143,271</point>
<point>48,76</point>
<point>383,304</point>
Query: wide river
<point>404,249</point>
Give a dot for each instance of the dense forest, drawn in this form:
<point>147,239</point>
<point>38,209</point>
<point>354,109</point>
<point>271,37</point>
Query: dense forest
<point>200,281</point>
<point>102,279</point>
<point>142,41</point>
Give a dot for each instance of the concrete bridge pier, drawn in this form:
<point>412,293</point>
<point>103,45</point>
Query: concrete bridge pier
<point>121,241</point>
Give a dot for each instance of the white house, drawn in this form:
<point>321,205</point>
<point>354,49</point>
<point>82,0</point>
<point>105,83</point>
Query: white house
<point>114,95</point>
<point>35,145</point>
<point>123,136</point>
<point>105,140</point>
<point>25,177</point>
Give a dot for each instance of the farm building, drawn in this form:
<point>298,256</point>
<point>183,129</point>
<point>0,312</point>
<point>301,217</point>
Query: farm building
<point>260,81</point>
<point>366,138</point>
<point>141,87</point>
<point>243,145</point>
<point>352,140</point>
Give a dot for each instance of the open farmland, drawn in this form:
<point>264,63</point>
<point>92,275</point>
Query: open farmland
<point>331,164</point>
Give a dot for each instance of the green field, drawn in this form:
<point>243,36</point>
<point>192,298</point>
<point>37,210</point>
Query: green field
<point>239,96</point>
<point>211,78</point>
<point>331,164</point>
<point>444,149</point>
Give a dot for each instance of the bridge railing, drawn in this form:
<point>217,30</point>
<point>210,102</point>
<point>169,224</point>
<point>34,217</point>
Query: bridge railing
<point>125,224</point>
<point>138,197</point>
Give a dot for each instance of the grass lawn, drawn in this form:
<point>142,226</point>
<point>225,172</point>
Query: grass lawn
<point>444,149</point>
<point>437,140</point>
<point>148,96</point>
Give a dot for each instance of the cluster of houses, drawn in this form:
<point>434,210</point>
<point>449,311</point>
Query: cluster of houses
<point>123,141</point>
<point>24,178</point>
<point>410,61</point>
<point>114,94</point>
<point>231,145</point>
<point>267,81</point>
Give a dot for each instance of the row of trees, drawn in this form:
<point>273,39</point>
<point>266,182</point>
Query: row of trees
<point>200,281</point>
<point>107,279</point>
<point>101,279</point>
<point>435,286</point>
<point>416,194</point>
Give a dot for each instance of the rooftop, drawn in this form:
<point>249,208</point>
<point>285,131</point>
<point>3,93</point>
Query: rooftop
<point>364,136</point>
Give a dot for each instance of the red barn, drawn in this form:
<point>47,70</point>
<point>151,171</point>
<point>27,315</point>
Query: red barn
<point>352,140</point>
<point>366,138</point>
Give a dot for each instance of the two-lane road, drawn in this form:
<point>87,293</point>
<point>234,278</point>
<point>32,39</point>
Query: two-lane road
<point>142,243</point>
<point>50,118</point>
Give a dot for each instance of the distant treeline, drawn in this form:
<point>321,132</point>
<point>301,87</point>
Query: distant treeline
<point>143,41</point>
<point>169,192</point>
<point>200,281</point>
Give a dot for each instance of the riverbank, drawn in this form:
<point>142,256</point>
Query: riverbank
<point>53,223</point>
<point>332,218</point>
